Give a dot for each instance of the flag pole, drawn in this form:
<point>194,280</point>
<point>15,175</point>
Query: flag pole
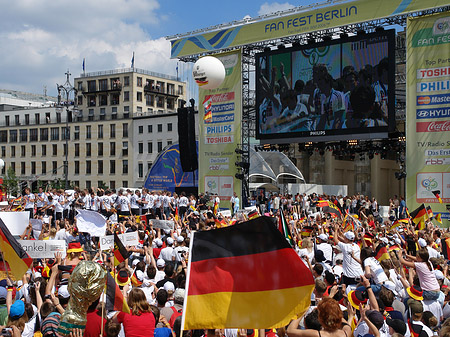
<point>103,310</point>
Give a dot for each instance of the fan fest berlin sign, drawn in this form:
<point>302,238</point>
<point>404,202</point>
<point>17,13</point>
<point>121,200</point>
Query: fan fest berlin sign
<point>304,21</point>
<point>428,112</point>
<point>220,131</point>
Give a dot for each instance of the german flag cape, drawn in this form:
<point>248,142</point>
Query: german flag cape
<point>114,297</point>
<point>274,286</point>
<point>437,195</point>
<point>13,253</point>
<point>120,252</point>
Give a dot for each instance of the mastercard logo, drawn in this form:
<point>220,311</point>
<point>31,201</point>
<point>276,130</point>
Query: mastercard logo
<point>423,100</point>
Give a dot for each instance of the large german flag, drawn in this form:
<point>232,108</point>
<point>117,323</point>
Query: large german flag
<point>120,252</point>
<point>419,216</point>
<point>445,245</point>
<point>322,203</point>
<point>13,253</point>
<point>244,276</point>
<point>114,297</point>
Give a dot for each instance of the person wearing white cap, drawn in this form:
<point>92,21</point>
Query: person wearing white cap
<point>180,251</point>
<point>160,274</point>
<point>326,248</point>
<point>352,269</point>
<point>166,253</point>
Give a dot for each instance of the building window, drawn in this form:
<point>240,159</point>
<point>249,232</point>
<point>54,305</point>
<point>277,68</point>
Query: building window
<point>36,119</point>
<point>112,131</point>
<point>13,167</point>
<point>112,149</point>
<point>44,134</point>
<point>88,184</point>
<point>125,149</point>
<point>141,170</point>
<point>33,167</point>
<point>33,135</point>
<point>139,109</point>
<point>90,114</point>
<point>77,149</point>
<point>149,128</point>
<point>22,168</point>
<point>125,183</point>
<point>58,117</point>
<point>88,167</point>
<point>65,133</point>
<point>88,132</point>
<point>33,150</point>
<point>149,100</point>
<point>159,127</point>
<point>103,100</point>
<point>125,130</point>
<point>115,99</point>
<point>180,90</point>
<point>160,147</point>
<point>126,96</point>
<point>77,167</point>
<point>124,167</point>
<point>22,151</point>
<point>91,86</point>
<point>126,111</point>
<point>54,133</point>
<point>112,167</point>
<point>141,148</point>
<point>43,167</point>
<point>12,136</point>
<point>17,118</point>
<point>160,102</point>
<point>88,149</point>
<point>6,120</point>
<point>169,142</point>
<point>102,85</point>
<point>79,115</point>
<point>112,184</point>
<point>139,96</point>
<point>91,101</point>
<point>150,147</point>
<point>149,165</point>
<point>102,114</point>
<point>47,118</point>
<point>100,167</point>
<point>169,127</point>
<point>139,82</point>
<point>126,81</point>
<point>100,149</point>
<point>23,135</point>
<point>13,151</point>
<point>100,131</point>
<point>44,150</point>
<point>54,150</point>
<point>76,134</point>
<point>3,151</point>
<point>141,129</point>
<point>80,100</point>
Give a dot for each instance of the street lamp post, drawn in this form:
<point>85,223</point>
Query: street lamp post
<point>66,89</point>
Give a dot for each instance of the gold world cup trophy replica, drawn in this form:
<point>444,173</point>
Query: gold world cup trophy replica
<point>86,284</point>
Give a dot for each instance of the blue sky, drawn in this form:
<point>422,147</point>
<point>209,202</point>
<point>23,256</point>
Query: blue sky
<point>41,39</point>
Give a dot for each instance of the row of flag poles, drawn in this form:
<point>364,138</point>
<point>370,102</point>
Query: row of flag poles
<point>83,65</point>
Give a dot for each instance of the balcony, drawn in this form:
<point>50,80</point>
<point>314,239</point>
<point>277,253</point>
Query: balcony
<point>154,89</point>
<point>116,87</point>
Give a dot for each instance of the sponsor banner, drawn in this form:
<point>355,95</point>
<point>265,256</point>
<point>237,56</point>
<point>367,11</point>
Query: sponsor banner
<point>433,99</point>
<point>427,139</point>
<point>219,137</point>
<point>128,239</point>
<point>163,224</point>
<point>433,126</point>
<point>433,113</point>
<point>303,20</point>
<point>43,249</point>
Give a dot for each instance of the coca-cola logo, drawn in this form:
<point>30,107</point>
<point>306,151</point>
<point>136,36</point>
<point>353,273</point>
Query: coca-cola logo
<point>433,126</point>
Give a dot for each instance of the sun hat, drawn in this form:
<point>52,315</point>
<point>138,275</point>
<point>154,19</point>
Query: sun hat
<point>74,247</point>
<point>415,292</point>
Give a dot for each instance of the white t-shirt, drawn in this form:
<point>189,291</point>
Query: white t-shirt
<point>133,201</point>
<point>44,201</point>
<point>352,268</point>
<point>166,254</point>
<point>183,202</point>
<point>123,202</point>
<point>326,249</point>
<point>59,208</point>
<point>178,252</point>
<point>377,271</point>
<point>29,198</point>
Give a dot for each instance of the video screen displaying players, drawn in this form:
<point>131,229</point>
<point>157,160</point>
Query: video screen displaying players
<point>331,88</point>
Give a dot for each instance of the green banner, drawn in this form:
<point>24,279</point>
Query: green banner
<point>220,117</point>
<point>428,113</point>
<point>303,21</point>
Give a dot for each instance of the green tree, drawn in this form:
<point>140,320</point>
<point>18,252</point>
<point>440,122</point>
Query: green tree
<point>11,183</point>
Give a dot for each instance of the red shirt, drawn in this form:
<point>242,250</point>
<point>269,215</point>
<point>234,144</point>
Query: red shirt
<point>137,326</point>
<point>93,322</point>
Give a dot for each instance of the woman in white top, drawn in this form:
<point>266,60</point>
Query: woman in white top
<point>306,250</point>
<point>372,268</point>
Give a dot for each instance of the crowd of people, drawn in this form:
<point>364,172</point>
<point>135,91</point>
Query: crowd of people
<point>373,275</point>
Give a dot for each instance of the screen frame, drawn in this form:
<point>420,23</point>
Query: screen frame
<point>334,134</point>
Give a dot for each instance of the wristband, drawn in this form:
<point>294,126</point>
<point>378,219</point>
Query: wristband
<point>9,287</point>
<point>369,287</point>
<point>9,290</point>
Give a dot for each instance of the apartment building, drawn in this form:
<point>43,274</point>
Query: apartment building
<point>105,131</point>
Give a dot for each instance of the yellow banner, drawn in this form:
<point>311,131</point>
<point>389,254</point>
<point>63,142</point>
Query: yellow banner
<point>428,113</point>
<point>306,20</point>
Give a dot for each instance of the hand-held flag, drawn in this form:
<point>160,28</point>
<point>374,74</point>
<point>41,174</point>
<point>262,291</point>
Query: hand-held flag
<point>437,195</point>
<point>120,252</point>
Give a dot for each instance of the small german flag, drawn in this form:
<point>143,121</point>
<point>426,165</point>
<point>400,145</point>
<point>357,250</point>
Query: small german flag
<point>437,195</point>
<point>398,223</point>
<point>368,238</point>
<point>120,252</point>
<point>216,208</point>
<point>382,253</point>
<point>419,215</point>
<point>429,212</point>
<point>135,281</point>
<point>253,214</point>
<point>114,297</point>
<point>218,256</point>
<point>13,253</point>
<point>438,218</point>
<point>220,222</point>
<point>306,231</point>
<point>394,247</point>
<point>445,243</point>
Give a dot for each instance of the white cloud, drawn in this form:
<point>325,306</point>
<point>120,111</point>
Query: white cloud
<point>267,8</point>
<point>42,39</point>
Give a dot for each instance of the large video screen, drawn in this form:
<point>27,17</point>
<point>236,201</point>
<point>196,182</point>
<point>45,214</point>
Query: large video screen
<point>334,88</point>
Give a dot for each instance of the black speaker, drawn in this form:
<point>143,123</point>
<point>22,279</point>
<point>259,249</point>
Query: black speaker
<point>186,139</point>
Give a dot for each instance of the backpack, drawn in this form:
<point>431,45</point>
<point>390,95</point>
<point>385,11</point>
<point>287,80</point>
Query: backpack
<point>175,315</point>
